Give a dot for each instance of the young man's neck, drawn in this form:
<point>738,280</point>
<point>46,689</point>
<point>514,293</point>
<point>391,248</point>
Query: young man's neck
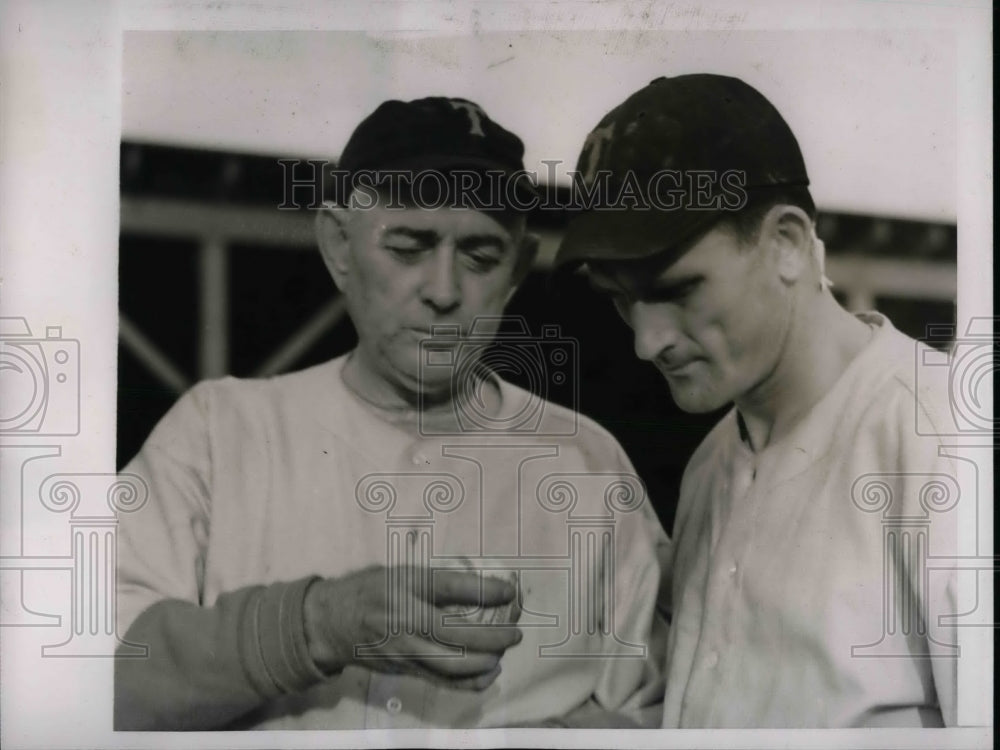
<point>820,344</point>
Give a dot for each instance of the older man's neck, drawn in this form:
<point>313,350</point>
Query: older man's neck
<point>481,397</point>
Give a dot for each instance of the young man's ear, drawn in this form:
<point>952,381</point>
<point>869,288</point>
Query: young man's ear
<point>789,230</point>
<point>332,238</point>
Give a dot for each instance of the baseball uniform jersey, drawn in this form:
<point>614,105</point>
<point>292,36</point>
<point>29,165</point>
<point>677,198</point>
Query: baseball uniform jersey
<point>813,580</point>
<point>257,485</point>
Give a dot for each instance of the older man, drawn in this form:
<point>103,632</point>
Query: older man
<point>398,537</point>
<point>801,590</point>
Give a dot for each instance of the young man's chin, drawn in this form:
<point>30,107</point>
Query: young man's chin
<point>695,401</point>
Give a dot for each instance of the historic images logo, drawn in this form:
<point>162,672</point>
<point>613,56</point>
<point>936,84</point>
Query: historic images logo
<point>588,506</point>
<point>558,544</point>
<point>969,365</point>
<point>918,512</point>
<point>465,362</point>
<point>40,381</point>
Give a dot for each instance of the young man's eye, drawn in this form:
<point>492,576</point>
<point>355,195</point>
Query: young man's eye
<point>678,293</point>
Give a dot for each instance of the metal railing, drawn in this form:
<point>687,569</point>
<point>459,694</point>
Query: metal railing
<point>861,278</point>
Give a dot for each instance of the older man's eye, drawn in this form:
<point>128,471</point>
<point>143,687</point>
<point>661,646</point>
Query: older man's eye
<point>404,252</point>
<point>483,261</point>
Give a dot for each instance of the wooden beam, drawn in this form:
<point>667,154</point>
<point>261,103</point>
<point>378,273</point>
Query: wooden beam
<point>166,217</point>
<point>213,282</point>
<point>149,354</point>
<point>299,343</point>
<point>879,276</point>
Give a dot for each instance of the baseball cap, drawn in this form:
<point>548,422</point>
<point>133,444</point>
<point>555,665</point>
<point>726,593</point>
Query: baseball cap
<point>434,133</point>
<point>687,150</point>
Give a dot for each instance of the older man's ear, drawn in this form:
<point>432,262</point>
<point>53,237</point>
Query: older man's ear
<point>334,243</point>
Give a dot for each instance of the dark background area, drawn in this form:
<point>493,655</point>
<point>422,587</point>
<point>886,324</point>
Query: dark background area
<point>273,289</point>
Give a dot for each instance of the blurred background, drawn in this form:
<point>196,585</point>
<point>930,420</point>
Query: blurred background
<point>215,279</point>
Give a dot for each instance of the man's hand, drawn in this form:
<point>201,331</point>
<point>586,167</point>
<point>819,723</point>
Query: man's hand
<point>396,614</point>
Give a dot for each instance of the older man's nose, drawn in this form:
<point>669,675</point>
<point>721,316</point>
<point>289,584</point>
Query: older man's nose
<point>441,287</point>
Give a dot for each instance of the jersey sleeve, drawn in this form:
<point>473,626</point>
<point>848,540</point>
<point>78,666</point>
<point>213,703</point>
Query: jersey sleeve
<point>933,487</point>
<point>205,666</point>
<point>162,546</point>
<point>922,487</point>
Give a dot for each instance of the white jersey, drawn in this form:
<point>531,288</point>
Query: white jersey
<point>812,581</point>
<point>264,482</point>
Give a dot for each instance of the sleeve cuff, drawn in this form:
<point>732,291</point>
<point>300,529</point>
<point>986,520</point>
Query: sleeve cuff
<point>273,641</point>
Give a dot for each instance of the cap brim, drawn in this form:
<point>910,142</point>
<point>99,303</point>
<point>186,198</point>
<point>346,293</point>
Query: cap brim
<point>630,234</point>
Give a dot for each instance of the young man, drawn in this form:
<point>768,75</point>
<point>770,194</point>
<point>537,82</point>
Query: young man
<point>398,537</point>
<point>792,605</point>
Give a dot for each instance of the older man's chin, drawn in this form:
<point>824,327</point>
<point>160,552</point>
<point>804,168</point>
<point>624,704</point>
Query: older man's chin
<point>408,376</point>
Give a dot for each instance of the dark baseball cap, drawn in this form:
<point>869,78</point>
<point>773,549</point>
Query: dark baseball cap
<point>435,133</point>
<point>687,150</point>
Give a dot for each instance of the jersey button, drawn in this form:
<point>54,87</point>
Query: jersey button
<point>732,569</point>
<point>394,705</point>
<point>712,660</point>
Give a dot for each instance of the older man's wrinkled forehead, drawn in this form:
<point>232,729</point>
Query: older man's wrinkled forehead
<point>403,197</point>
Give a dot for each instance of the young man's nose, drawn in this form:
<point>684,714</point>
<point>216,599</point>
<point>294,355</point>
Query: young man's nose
<point>655,329</point>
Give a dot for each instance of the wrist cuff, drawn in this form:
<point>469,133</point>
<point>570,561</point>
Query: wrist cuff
<point>273,641</point>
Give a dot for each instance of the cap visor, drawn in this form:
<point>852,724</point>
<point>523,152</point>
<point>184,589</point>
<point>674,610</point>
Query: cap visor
<point>632,234</point>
